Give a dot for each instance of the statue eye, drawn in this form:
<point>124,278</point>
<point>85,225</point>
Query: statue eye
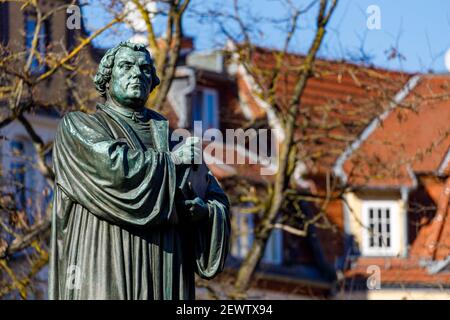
<point>146,69</point>
<point>126,66</point>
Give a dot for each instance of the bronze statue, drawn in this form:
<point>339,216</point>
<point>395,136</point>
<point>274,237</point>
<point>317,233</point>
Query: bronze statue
<point>126,223</point>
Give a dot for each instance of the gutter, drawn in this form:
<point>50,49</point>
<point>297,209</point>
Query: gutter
<point>445,163</point>
<point>437,266</point>
<point>179,99</point>
<point>338,168</point>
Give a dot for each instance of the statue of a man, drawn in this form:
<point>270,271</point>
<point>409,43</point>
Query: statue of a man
<point>121,226</point>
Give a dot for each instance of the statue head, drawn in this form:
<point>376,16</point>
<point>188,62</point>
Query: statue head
<point>126,75</point>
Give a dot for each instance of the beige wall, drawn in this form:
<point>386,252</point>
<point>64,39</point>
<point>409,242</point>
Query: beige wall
<point>353,220</point>
<point>398,294</point>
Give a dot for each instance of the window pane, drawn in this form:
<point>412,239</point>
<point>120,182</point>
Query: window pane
<point>378,238</point>
<point>371,236</point>
<point>30,27</point>
<point>204,108</point>
<point>197,106</point>
<point>210,107</point>
<point>18,173</point>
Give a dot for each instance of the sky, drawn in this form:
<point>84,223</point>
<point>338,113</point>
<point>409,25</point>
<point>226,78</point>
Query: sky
<point>416,31</point>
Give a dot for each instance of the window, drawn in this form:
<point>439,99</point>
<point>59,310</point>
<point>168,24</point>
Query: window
<point>30,28</point>
<point>274,248</point>
<point>205,109</point>
<point>47,190</point>
<point>244,228</point>
<point>244,236</point>
<point>4,23</point>
<point>2,166</point>
<point>18,173</point>
<point>381,228</point>
<point>31,191</point>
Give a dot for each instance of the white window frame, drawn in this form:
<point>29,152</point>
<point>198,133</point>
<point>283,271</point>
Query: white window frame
<point>394,228</point>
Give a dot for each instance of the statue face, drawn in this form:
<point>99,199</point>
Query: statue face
<point>131,78</point>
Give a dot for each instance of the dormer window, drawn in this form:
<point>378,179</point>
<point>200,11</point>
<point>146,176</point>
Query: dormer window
<point>205,109</point>
<point>381,231</point>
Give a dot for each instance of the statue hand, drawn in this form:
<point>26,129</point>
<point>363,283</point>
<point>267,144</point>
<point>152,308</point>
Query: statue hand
<point>187,152</point>
<point>197,209</point>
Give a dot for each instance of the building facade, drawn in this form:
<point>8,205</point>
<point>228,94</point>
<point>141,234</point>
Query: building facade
<point>382,136</point>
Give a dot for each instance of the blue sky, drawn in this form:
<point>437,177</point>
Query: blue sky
<point>418,29</point>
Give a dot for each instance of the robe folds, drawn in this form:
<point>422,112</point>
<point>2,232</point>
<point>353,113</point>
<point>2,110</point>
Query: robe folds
<point>118,231</point>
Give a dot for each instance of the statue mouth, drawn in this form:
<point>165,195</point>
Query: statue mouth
<point>137,85</point>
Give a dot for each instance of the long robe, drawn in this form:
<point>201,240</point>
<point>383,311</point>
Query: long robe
<point>117,229</point>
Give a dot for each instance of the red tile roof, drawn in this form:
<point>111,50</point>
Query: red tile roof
<point>395,271</point>
<point>221,152</point>
<point>430,246</point>
<point>433,240</point>
<point>338,103</point>
<point>413,138</point>
<point>410,145</point>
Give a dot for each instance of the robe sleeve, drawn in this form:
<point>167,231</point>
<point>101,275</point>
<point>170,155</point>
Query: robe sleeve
<point>113,181</point>
<point>213,236</point>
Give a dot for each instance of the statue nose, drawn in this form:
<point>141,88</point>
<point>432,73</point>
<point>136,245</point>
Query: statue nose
<point>135,71</point>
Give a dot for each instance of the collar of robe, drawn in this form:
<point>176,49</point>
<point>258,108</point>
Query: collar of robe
<point>138,115</point>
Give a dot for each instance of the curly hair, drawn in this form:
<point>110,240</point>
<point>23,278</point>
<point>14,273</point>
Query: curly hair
<point>103,75</point>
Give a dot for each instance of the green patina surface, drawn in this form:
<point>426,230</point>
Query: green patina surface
<point>121,225</point>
